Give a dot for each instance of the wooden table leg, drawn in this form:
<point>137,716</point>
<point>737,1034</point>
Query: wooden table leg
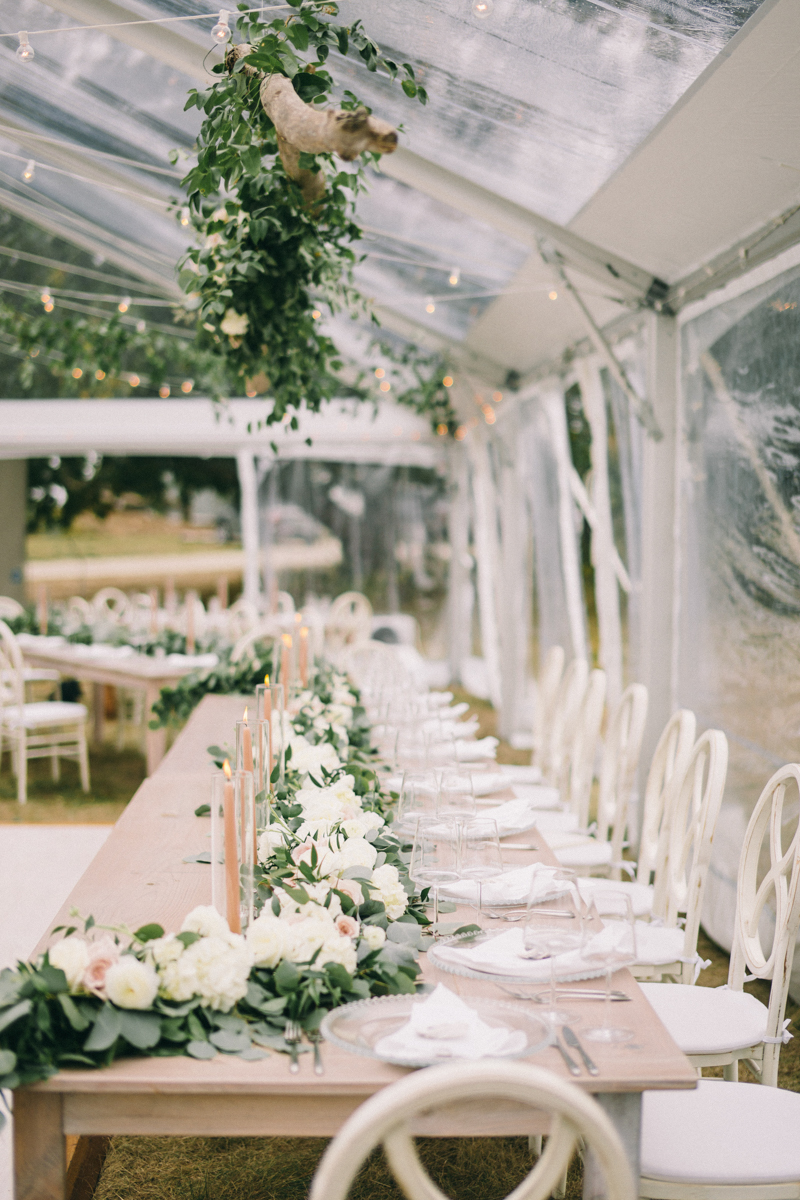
<point>625,1111</point>
<point>99,699</point>
<point>156,739</point>
<point>40,1170</point>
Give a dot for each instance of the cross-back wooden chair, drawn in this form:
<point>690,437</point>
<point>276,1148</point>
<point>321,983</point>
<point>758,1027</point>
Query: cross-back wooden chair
<point>389,1116</point>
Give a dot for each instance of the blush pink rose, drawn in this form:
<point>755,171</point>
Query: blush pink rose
<point>302,853</point>
<point>352,889</point>
<point>103,953</point>
<point>346,926</point>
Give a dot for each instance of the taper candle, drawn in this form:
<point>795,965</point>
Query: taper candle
<point>231,853</point>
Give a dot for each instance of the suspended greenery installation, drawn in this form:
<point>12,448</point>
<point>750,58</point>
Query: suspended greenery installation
<point>274,212</point>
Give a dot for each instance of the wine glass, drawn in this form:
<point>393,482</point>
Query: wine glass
<point>435,857</point>
<point>417,797</point>
<point>548,937</point>
<point>481,856</point>
<point>456,796</point>
<point>614,948</point>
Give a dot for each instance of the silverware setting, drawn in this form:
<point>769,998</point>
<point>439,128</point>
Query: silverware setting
<point>518,846</point>
<point>513,913</point>
<point>572,1066</point>
<point>293,1036</point>
<point>543,996</point>
<point>315,1037</point>
<point>571,1039</point>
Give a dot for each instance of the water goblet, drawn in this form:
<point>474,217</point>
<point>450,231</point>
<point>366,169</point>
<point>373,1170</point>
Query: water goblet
<point>481,856</point>
<point>613,948</point>
<point>546,937</point>
<point>456,796</point>
<point>435,857</point>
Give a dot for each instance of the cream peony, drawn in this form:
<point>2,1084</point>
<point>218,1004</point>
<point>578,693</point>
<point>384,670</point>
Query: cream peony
<point>267,940</point>
<point>339,950</point>
<point>131,984</point>
<point>270,839</point>
<point>162,951</point>
<point>373,935</point>
<point>390,891</point>
<point>71,955</point>
<point>308,759</point>
<point>213,968</point>
<point>356,852</point>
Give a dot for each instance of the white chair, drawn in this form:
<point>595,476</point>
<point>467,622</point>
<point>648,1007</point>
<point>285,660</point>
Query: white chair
<point>266,631</point>
<point>721,1026</point>
<point>48,729</point>
<point>388,1116</point>
<point>667,951</point>
<point>10,608</point>
<point>566,708</point>
<point>578,769</point>
<point>664,778</point>
<point>546,692</point>
<point>349,621</point>
<point>110,604</point>
<point>724,1141</point>
<point>602,855</point>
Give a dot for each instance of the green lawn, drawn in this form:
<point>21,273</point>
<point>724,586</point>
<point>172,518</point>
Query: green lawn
<point>114,776</point>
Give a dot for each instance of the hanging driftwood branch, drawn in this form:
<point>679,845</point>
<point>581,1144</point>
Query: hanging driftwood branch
<point>305,129</point>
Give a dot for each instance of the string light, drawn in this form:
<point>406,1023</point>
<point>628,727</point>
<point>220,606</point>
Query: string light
<point>99,376</point>
<point>163,391</point>
<point>46,297</point>
<point>25,51</point>
<point>184,216</point>
<point>316,314</point>
<point>76,373</point>
<point>379,372</point>
<point>124,304</point>
<point>460,433</point>
<point>441,430</point>
<point>187,386</point>
<point>222,30</point>
<point>483,8</point>
<point>430,307</point>
<point>552,295</point>
<point>49,306</point>
<point>489,415</point>
<point>455,277</point>
<point>448,381</point>
<point>30,170</point>
<point>141,326</point>
<point>386,386</point>
<point>134,380</point>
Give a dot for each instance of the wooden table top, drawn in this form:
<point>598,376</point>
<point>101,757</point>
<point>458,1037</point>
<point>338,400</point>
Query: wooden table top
<point>136,667</point>
<point>139,877</point>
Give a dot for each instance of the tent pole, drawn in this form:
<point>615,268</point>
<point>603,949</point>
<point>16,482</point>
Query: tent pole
<point>514,625</point>
<point>570,559</point>
<point>459,613</point>
<point>486,551</point>
<point>246,467</point>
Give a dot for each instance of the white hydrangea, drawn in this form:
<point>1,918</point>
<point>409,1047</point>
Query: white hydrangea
<point>308,759</point>
<point>164,950</point>
<point>337,949</point>
<point>355,852</point>
<point>360,825</point>
<point>214,968</point>
<point>305,937</point>
<point>390,891</point>
<point>206,921</point>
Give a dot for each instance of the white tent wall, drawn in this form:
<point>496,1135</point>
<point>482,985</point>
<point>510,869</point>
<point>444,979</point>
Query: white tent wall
<point>738,604</point>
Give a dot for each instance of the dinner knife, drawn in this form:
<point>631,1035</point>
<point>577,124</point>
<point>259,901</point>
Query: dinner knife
<point>571,1040</point>
<point>572,1066</point>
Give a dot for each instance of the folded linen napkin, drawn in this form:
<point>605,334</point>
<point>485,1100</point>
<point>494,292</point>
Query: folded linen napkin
<point>556,822</point>
<point>503,955</point>
<point>472,751</point>
<point>512,887</point>
<point>598,890</point>
<point>520,774</point>
<point>538,795</point>
<point>443,1026</point>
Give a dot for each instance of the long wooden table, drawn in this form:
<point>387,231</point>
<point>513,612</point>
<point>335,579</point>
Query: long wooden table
<point>139,877</point>
<point>138,672</point>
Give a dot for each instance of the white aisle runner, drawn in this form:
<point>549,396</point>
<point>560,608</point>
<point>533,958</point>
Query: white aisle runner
<point>39,866</point>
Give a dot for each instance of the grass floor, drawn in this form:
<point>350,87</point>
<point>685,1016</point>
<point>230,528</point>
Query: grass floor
<point>114,776</point>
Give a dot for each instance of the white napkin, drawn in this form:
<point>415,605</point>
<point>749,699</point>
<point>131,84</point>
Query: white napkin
<point>597,890</point>
<point>502,955</point>
<point>472,751</point>
<point>193,660</point>
<point>556,822</point>
<point>513,816</point>
<point>538,795</point>
<point>512,887</point>
<point>462,1033</point>
<point>518,774</point>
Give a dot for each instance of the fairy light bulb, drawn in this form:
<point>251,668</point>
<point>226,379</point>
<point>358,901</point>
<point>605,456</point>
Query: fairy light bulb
<point>222,30</point>
<point>455,277</point>
<point>184,216</point>
<point>25,52</point>
<point>124,304</point>
<point>483,8</point>
<point>30,170</point>
<point>430,307</point>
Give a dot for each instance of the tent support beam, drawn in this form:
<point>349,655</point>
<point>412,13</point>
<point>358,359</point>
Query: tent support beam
<point>248,487</point>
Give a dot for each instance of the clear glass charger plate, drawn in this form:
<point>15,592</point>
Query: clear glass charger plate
<point>359,1026</point>
<point>463,940</point>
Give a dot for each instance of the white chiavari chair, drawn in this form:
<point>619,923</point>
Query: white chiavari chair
<point>386,1118</point>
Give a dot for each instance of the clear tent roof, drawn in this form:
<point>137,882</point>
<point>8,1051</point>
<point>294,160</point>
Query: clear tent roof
<point>539,103</point>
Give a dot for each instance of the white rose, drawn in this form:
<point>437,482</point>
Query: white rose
<point>385,876</point>
<point>343,695</point>
<point>266,938</point>
<point>305,937</point>
<point>308,759</point>
<point>268,842</point>
<point>164,950</point>
<point>206,921</point>
<point>131,984</point>
<point>395,900</point>
<point>222,967</point>
<point>358,826</point>
<point>70,955</point>
<point>373,935</point>
<point>339,950</point>
<point>234,324</point>
<point>356,852</point>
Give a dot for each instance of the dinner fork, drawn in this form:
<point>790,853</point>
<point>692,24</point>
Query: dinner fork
<point>315,1037</point>
<point>293,1035</point>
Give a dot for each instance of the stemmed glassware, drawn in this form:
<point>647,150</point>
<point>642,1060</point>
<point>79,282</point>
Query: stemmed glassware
<point>435,857</point>
<point>546,937</point>
<point>613,948</point>
<point>418,793</point>
<point>456,794</point>
<point>481,856</point>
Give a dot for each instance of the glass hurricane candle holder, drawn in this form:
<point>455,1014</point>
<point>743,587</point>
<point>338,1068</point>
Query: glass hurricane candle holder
<point>233,842</point>
<point>253,753</point>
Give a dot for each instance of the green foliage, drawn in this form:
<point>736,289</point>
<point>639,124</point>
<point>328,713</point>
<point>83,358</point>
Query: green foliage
<point>175,705</point>
<point>267,262</point>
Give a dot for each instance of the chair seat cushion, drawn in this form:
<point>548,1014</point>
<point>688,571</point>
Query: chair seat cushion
<point>583,855</point>
<point>557,822</point>
<point>722,1133</point>
<point>708,1020</point>
<point>641,894</point>
<point>45,713</point>
<point>658,946</point>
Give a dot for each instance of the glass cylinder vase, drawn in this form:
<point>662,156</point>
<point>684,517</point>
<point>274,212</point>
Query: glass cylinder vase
<point>233,843</point>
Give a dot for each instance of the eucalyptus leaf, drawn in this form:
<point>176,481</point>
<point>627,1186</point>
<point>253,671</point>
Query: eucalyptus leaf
<point>106,1029</point>
<point>201,1050</point>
